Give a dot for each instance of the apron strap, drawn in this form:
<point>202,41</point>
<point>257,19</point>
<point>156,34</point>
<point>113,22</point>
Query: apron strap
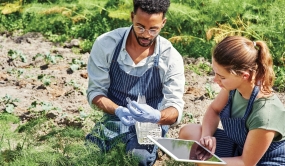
<point>250,102</point>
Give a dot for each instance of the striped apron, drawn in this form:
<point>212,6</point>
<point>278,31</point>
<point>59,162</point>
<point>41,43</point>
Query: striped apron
<point>231,140</point>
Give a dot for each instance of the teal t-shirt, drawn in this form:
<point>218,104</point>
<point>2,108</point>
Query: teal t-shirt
<point>267,113</point>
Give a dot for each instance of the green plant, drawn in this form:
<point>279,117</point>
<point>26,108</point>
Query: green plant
<point>76,50</point>
<point>172,162</point>
<point>188,117</point>
<point>13,54</point>
<point>32,125</point>
<point>48,58</point>
<point>77,64</point>
<point>83,115</point>
<point>45,79</point>
<point>96,114</point>
<point>8,103</point>
<point>86,45</point>
<point>279,79</point>
<point>8,118</point>
<point>201,68</point>
<point>42,107</point>
<point>76,86</point>
<point>15,71</point>
<point>210,92</point>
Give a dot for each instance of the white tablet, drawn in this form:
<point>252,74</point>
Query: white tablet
<point>186,150</point>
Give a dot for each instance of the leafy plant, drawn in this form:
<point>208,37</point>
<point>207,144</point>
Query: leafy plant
<point>200,68</point>
<point>280,79</point>
<point>11,7</point>
<point>77,64</point>
<point>188,117</point>
<point>48,58</point>
<point>13,54</point>
<point>85,45</point>
<point>77,86</point>
<point>8,103</point>
<point>16,71</point>
<point>210,92</point>
<point>45,79</point>
<point>44,106</point>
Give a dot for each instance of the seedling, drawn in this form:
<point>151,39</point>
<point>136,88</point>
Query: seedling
<point>189,116</point>
<point>8,103</point>
<point>13,54</point>
<point>77,86</point>
<point>48,58</point>
<point>45,79</point>
<point>45,106</point>
<point>77,64</point>
<point>210,92</point>
<point>14,71</point>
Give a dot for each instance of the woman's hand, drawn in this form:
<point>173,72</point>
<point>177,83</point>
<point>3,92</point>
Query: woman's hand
<point>209,142</point>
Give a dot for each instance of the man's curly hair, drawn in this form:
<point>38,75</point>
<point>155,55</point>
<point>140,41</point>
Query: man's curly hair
<point>152,6</point>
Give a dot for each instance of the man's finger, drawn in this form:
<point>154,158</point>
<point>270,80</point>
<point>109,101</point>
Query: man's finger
<point>128,121</point>
<point>133,110</point>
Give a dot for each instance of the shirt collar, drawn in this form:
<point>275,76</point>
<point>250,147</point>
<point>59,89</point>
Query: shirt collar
<point>156,48</point>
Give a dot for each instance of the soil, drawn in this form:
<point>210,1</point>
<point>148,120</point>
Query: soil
<point>21,80</point>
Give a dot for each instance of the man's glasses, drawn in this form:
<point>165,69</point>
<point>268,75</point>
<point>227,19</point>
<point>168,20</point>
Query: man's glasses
<point>152,32</point>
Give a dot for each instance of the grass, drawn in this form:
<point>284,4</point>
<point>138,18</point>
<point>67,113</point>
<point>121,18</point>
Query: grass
<point>40,142</point>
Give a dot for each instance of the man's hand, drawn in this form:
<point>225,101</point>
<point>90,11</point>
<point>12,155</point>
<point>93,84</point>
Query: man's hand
<point>144,112</point>
<point>125,116</point>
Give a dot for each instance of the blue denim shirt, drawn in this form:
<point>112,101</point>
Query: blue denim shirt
<point>171,68</point>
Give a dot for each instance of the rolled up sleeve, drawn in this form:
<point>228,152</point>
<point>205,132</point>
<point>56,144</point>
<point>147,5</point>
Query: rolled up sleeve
<point>98,71</point>
<point>173,83</point>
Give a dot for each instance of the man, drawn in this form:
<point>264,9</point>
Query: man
<point>130,61</point>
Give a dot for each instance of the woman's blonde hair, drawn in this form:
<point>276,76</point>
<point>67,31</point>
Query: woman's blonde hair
<point>238,54</point>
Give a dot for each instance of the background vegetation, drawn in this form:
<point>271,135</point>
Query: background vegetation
<point>193,26</point>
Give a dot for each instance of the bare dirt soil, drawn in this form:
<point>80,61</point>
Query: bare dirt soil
<point>64,97</point>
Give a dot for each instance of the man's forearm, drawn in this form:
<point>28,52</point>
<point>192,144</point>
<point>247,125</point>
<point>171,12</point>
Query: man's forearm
<point>168,116</point>
<point>105,104</point>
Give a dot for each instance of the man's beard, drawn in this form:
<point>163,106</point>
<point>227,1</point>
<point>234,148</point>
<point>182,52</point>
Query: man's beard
<point>142,44</point>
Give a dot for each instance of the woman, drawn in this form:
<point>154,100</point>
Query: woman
<point>252,115</point>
